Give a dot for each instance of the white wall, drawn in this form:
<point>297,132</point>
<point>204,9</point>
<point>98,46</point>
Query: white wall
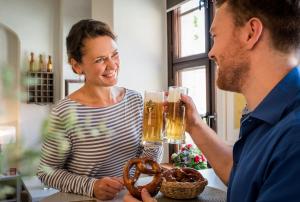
<point>71,12</point>
<point>141,29</point>
<point>9,63</point>
<point>103,10</point>
<point>34,22</point>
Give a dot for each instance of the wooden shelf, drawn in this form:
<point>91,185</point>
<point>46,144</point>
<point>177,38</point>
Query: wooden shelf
<point>40,88</point>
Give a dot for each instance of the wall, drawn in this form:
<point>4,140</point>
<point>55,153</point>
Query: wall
<point>9,67</point>
<point>33,21</point>
<point>71,12</point>
<point>141,29</point>
<point>103,10</point>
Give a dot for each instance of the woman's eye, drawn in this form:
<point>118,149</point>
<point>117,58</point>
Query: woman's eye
<point>99,60</point>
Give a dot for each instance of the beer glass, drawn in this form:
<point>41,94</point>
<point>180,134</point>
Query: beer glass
<point>153,118</point>
<point>175,117</point>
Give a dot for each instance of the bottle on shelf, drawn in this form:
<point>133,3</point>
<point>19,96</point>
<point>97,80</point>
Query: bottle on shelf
<point>49,64</point>
<point>42,65</point>
<point>32,66</point>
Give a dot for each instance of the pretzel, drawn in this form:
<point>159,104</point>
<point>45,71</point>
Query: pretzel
<point>182,175</point>
<point>142,166</point>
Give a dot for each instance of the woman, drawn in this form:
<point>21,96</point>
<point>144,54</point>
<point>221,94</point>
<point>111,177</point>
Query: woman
<point>95,130</point>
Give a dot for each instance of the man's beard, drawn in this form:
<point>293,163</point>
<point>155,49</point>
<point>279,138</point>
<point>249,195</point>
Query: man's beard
<point>233,71</point>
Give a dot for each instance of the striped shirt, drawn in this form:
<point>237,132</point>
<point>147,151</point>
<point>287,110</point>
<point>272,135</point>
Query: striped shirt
<point>83,144</point>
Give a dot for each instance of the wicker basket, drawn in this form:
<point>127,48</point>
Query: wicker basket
<point>183,190</point>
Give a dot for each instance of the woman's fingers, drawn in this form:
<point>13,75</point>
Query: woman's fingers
<point>115,183</point>
<point>107,188</point>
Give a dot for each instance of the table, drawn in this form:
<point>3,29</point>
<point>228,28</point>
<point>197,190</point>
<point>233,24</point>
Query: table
<point>215,191</point>
<point>35,189</point>
<point>15,179</point>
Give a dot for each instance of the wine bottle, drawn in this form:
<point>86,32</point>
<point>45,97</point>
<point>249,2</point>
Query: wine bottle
<point>49,64</point>
<point>31,62</point>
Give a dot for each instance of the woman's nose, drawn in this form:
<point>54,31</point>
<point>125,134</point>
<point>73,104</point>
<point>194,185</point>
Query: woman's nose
<point>111,63</point>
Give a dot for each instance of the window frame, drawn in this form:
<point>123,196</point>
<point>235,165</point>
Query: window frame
<point>176,63</point>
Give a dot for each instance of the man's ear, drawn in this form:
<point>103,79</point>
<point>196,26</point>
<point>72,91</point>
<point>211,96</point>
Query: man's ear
<point>253,32</point>
<point>75,66</point>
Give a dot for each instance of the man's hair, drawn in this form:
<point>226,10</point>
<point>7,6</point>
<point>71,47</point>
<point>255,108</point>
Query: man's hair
<point>82,30</point>
<point>280,17</point>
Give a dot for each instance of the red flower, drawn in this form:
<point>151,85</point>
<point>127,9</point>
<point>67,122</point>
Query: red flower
<point>189,146</point>
<point>197,159</point>
<point>182,149</point>
<point>203,159</point>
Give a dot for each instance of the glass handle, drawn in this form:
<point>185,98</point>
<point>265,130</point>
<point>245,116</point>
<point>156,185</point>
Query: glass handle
<point>182,106</point>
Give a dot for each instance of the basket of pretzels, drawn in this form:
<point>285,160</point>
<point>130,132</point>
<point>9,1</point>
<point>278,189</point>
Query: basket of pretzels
<point>182,183</point>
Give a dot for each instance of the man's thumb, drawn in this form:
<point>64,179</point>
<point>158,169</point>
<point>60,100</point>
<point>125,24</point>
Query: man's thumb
<point>145,195</point>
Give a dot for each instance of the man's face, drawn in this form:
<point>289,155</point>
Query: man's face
<point>228,51</point>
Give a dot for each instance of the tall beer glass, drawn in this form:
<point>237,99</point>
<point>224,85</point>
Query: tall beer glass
<point>153,118</point>
<point>175,117</point>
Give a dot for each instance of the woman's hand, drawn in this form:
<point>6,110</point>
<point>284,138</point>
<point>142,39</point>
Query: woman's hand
<point>145,197</point>
<point>108,187</point>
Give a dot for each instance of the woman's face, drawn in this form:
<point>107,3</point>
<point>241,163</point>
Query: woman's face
<point>100,61</point>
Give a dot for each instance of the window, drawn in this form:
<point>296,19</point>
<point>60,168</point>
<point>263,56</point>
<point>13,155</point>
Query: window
<point>188,62</point>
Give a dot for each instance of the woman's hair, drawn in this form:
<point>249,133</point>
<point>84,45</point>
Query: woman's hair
<point>280,17</point>
<point>82,30</point>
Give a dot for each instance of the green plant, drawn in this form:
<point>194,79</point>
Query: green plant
<point>189,156</point>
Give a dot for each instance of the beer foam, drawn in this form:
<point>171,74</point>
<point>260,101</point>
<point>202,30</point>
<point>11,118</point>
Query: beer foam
<point>154,96</point>
<point>174,94</point>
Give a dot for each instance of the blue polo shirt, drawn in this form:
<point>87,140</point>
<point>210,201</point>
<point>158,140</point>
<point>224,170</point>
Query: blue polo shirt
<point>266,158</point>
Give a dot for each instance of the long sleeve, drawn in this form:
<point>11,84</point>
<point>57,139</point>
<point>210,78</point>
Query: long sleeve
<point>153,151</point>
<point>54,154</point>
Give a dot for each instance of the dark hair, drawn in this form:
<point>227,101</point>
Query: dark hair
<point>280,17</point>
<point>82,30</point>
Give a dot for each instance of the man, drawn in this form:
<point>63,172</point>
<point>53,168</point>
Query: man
<point>256,48</point>
<point>145,196</point>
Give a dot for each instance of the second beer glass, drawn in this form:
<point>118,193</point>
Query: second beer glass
<point>153,118</point>
<point>175,118</point>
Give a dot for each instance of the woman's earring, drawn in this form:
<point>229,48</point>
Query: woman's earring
<point>80,77</point>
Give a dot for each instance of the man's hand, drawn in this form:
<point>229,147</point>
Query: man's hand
<point>145,197</point>
<point>192,115</point>
<point>107,187</point>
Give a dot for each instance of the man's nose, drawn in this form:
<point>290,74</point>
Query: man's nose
<point>211,54</point>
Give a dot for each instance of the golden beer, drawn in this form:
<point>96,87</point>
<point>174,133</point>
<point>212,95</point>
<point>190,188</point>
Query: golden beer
<point>175,118</point>
<point>153,117</point>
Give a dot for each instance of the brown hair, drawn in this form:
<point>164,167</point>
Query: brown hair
<point>82,30</point>
<point>280,17</point>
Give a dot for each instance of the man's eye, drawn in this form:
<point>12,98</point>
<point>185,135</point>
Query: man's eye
<point>116,54</point>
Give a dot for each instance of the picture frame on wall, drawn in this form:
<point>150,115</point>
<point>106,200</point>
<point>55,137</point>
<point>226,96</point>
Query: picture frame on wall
<point>72,85</point>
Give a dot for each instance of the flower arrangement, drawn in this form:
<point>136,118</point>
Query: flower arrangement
<point>189,156</point>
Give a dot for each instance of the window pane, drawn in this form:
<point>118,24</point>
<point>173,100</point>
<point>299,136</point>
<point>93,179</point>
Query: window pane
<point>192,29</point>
<point>195,80</point>
<point>189,5</point>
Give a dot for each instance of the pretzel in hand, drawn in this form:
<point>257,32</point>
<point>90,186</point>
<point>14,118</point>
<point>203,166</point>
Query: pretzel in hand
<point>146,166</point>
